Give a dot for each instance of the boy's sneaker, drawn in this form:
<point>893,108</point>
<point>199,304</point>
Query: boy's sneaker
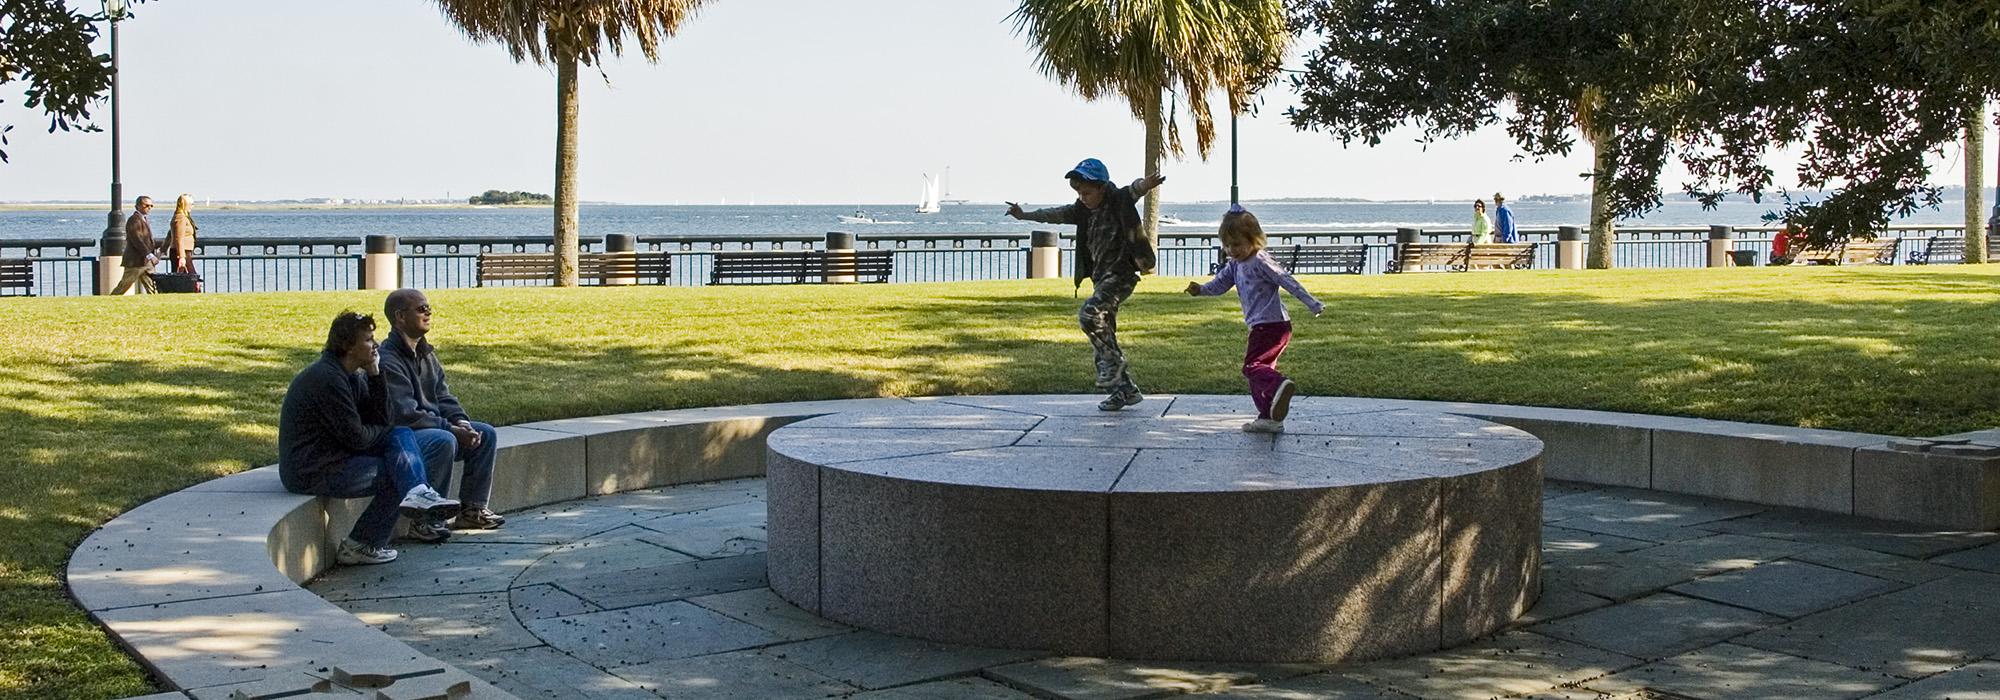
<point>351,552</point>
<point>1120,400</point>
<point>1109,374</point>
<point>425,504</point>
<point>478,519</point>
<point>429,531</point>
<point>1264,425</point>
<point>1281,402</point>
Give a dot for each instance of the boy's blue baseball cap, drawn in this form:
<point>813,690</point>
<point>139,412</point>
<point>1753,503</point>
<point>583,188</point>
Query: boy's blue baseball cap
<point>1090,169</point>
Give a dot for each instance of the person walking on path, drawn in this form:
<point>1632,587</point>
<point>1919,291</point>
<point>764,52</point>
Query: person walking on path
<point>1503,221</point>
<point>335,439</point>
<point>1112,250</point>
<point>420,400</point>
<point>1482,227</point>
<point>141,253</point>
<point>180,236</point>
<point>1257,279</point>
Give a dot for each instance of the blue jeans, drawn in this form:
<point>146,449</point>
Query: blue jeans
<point>387,471</point>
<point>439,448</point>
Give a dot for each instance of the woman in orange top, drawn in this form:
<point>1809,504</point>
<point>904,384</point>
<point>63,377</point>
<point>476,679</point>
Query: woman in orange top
<point>180,236</point>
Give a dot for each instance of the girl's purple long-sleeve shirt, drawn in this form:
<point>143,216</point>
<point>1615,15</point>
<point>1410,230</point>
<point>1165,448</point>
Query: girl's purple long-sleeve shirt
<point>1257,281</point>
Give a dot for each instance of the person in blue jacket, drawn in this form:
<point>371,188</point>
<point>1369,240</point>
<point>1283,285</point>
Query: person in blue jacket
<point>1503,221</point>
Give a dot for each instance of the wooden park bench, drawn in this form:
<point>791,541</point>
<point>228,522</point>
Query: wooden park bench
<point>1310,259</point>
<point>801,266</point>
<point>17,274</point>
<point>1939,249</point>
<point>1855,252</point>
<point>647,267</point>
<point>1462,257</point>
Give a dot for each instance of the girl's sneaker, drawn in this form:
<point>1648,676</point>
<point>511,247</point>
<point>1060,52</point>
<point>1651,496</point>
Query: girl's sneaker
<point>351,552</point>
<point>1120,400</point>
<point>1281,402</point>
<point>425,504</point>
<point>1264,425</point>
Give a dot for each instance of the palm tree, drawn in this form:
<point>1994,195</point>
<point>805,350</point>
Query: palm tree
<point>1151,52</point>
<point>567,33</point>
<point>1602,234</point>
<point>1975,184</point>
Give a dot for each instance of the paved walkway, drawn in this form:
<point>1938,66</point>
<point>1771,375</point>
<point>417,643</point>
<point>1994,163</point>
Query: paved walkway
<point>662,593</point>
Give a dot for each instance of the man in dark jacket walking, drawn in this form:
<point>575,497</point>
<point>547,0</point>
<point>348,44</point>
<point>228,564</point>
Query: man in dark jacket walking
<point>141,253</point>
<point>1112,250</point>
<point>420,400</point>
<point>335,439</point>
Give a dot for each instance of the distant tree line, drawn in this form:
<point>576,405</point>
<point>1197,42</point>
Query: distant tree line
<point>502,197</point>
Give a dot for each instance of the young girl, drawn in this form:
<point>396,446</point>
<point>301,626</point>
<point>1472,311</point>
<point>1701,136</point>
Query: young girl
<point>1257,278</point>
<point>1482,227</point>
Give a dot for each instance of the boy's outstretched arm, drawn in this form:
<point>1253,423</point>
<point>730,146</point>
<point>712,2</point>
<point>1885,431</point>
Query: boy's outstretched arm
<point>1146,184</point>
<point>1051,215</point>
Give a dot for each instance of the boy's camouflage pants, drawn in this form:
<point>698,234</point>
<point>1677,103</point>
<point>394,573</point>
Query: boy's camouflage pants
<point>1099,319</point>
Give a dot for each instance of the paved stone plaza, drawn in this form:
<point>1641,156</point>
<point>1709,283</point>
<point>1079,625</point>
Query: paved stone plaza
<point>1644,594</point>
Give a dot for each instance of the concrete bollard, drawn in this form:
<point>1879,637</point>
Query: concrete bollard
<point>110,267</point>
<point>1721,242</point>
<point>1044,255</point>
<point>1569,248</point>
<point>839,256</point>
<point>381,266</point>
<point>622,246</point>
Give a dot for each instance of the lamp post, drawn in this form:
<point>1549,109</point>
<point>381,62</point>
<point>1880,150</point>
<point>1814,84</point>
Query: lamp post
<point>115,10</point>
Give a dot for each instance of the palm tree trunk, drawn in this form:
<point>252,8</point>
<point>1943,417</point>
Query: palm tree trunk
<point>1601,233</point>
<point>565,233</point>
<point>1975,185</point>
<point>1156,154</point>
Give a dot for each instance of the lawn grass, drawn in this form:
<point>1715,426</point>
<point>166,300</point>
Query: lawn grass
<point>106,402</point>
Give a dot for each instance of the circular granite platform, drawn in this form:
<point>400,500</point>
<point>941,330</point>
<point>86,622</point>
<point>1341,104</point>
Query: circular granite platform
<point>1159,532</point>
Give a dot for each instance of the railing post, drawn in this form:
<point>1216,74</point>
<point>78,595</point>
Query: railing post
<point>840,247</point>
<point>381,265</point>
<point>1044,255</point>
<point>1721,242</point>
<point>110,251</point>
<point>1569,248</point>
<point>621,245</point>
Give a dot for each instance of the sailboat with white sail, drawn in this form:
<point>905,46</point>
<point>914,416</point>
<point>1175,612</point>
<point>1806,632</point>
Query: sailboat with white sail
<point>929,203</point>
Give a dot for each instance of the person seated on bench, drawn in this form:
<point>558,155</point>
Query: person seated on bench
<point>420,400</point>
<point>335,439</point>
<point>1785,246</point>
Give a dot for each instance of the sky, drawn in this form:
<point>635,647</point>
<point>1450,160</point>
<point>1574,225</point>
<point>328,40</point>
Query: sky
<point>754,101</point>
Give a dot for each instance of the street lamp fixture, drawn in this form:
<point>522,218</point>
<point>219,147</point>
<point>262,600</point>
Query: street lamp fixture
<point>114,228</point>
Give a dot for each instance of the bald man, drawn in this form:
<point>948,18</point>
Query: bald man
<point>420,400</point>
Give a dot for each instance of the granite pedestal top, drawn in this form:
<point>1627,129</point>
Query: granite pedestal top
<point>1159,532</point>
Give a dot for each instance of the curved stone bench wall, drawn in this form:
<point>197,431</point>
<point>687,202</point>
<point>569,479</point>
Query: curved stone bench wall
<point>202,584</point>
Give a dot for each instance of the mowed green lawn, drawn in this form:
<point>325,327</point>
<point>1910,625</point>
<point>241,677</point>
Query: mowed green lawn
<point>105,403</point>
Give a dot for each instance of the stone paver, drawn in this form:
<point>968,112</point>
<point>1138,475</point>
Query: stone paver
<point>736,675</point>
<point>1925,629</point>
<point>954,689</point>
<point>542,673</point>
<point>448,627</point>
<point>1510,664</point>
<point>1980,681</point>
<point>1786,588</point>
<point>1081,678</point>
<point>763,608</point>
<point>631,636</point>
<point>1657,626</point>
<point>873,660</point>
<point>549,606</point>
<point>1741,673</point>
<point>1319,686</point>
<point>452,567</point>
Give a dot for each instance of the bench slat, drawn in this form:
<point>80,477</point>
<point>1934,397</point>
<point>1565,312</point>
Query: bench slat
<point>644,266</point>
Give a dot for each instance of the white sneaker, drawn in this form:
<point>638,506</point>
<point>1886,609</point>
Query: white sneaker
<point>425,504</point>
<point>1264,425</point>
<point>351,552</point>
<point>1281,401</point>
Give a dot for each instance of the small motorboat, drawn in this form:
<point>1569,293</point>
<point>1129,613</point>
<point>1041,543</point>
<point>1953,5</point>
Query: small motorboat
<point>858,217</point>
<point>1171,220</point>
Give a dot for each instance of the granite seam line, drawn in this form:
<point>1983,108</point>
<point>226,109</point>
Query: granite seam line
<point>1853,494</point>
<point>1442,564</point>
<point>920,454</point>
<point>412,596</point>
<point>989,408</point>
<point>1899,587</point>
<point>117,608</point>
<point>1110,548</point>
<point>1024,434</point>
<point>697,557</point>
<point>819,538</point>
